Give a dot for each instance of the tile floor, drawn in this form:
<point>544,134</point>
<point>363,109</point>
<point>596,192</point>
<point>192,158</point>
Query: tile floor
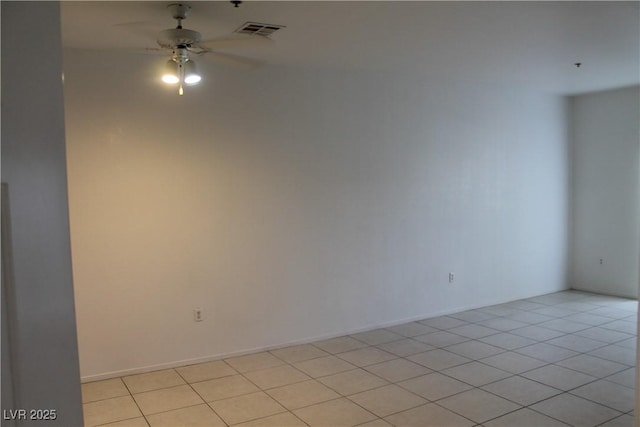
<point>561,359</point>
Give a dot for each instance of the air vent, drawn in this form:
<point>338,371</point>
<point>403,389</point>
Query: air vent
<point>255,28</point>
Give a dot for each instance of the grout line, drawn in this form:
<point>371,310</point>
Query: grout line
<point>135,401</point>
<point>452,411</point>
<point>176,409</point>
<point>214,411</point>
<point>118,421</point>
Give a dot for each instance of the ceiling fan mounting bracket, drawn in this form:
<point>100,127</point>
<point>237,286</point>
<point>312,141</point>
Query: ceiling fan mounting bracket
<point>179,11</point>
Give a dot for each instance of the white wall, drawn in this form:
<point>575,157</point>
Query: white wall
<point>45,373</point>
<point>292,204</point>
<point>606,148</point>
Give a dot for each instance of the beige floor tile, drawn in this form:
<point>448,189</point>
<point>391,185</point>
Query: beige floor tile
<point>397,370</point>
<point>299,353</point>
<point>443,322</point>
<point>611,311</point>
<point>474,350</point>
<point>507,341</point>
<point>387,400</point>
<point>548,353</point>
<point>334,413</point>
<point>377,336</point>
<point>339,345</point>
<point>553,312</point>
<point>152,381</point>
<point>249,407</point>
<point>503,323</point>
<point>472,316</point>
<point>474,331</point>
<point>366,356</point>
<point>412,329</point>
<point>438,359</point>
<point>286,419</point>
<point>593,366</point>
<point>478,405</point>
<point>575,411</point>
<point>521,390</point>
<point>589,319</point>
<point>621,421</point>
<point>609,394</point>
<point>436,416</point>
<point>513,362</point>
<point>628,326</point>
<point>605,335</point>
<point>106,389</point>
<point>323,366</point>
<point>626,378</point>
<point>206,371</point>
<point>537,333</point>
<point>276,377</point>
<point>524,418</point>
<point>631,343</point>
<point>223,388</point>
<point>476,373</point>
<point>498,310</point>
<point>376,423</point>
<point>576,343</point>
<point>166,399</point>
<point>559,377</point>
<point>302,394</point>
<point>441,338</point>
<point>626,356</point>
<point>434,386</point>
<point>131,422</point>
<point>193,416</point>
<point>110,410</point>
<point>253,362</point>
<point>353,381</point>
<point>524,305</point>
<point>564,325</point>
<point>405,347</point>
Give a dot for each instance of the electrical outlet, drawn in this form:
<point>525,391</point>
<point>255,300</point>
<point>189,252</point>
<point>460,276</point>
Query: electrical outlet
<point>451,277</point>
<point>197,314</point>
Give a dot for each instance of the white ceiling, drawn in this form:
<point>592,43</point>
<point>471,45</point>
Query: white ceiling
<point>525,43</point>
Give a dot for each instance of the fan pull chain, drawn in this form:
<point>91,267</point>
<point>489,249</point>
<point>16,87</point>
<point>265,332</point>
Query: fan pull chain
<point>181,76</point>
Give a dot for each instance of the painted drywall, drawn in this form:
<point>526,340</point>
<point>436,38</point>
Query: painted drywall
<point>605,133</point>
<point>46,372</point>
<point>292,204</point>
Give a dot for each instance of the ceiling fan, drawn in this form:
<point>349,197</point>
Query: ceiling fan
<point>183,44</point>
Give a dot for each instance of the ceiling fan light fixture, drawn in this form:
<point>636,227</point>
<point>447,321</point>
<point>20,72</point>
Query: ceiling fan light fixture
<point>171,74</point>
<point>191,75</point>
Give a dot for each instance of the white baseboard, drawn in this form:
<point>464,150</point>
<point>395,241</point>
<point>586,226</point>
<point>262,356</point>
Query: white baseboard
<point>210,358</point>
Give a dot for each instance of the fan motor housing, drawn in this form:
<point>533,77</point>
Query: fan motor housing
<point>178,37</point>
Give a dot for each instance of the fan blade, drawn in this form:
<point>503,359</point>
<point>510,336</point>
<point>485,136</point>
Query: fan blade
<point>234,60</point>
<point>127,50</point>
<point>236,41</point>
<point>151,51</point>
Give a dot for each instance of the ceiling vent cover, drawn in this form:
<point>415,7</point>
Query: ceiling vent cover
<point>258,29</point>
